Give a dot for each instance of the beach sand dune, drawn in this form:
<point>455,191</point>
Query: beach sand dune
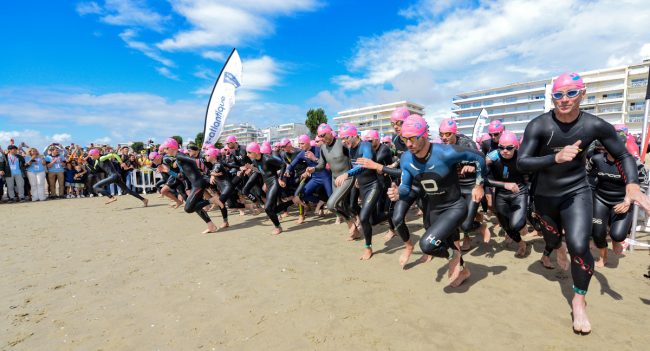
<point>78,275</point>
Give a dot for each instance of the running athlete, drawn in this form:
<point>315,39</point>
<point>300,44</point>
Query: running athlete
<point>434,165</point>
<point>448,131</point>
<point>270,166</point>
<point>489,144</point>
<point>367,180</point>
<point>174,185</point>
<point>333,152</point>
<point>611,209</point>
<point>552,147</point>
<point>194,170</point>
<point>385,158</point>
<point>511,197</point>
<point>112,176</point>
<point>220,178</point>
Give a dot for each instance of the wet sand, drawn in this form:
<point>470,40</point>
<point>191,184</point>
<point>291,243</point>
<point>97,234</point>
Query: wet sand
<point>78,275</point>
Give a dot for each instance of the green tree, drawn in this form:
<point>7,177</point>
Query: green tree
<point>137,146</point>
<point>314,119</point>
<point>218,145</point>
<point>179,140</point>
<point>199,139</point>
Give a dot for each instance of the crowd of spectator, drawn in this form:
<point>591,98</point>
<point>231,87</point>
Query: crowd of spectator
<point>59,171</point>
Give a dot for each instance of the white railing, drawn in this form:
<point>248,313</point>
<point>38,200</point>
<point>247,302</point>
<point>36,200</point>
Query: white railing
<point>144,179</point>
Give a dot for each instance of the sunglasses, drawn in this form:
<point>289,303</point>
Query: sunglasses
<point>397,123</point>
<point>570,94</point>
<point>445,134</point>
<point>494,134</point>
<point>509,147</point>
<point>322,135</point>
<point>412,139</point>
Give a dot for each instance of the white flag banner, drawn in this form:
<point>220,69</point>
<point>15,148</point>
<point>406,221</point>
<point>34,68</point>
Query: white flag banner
<point>222,98</point>
<point>480,124</point>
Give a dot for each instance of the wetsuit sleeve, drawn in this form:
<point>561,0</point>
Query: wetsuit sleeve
<point>321,162</point>
<point>106,157</point>
<point>366,152</point>
<point>464,155</point>
<point>592,174</point>
<point>117,157</point>
<point>624,161</point>
<point>277,163</point>
<point>526,161</point>
<point>490,181</point>
<point>407,179</point>
<point>493,155</point>
<point>294,163</point>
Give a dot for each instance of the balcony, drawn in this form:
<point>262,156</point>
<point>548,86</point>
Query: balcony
<point>457,99</point>
<point>638,84</point>
<point>636,108</point>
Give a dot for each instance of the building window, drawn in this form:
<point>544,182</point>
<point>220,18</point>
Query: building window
<point>465,106</point>
<point>591,99</point>
<point>476,104</point>
<point>641,82</point>
<point>488,102</point>
<point>510,99</point>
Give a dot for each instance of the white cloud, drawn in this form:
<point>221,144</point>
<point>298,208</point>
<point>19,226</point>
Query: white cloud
<point>129,38</point>
<point>494,43</point>
<point>61,138</point>
<point>261,73</point>
<point>130,13</point>
<point>32,137</point>
<point>103,140</point>
<point>165,72</point>
<point>214,55</point>
<point>219,22</point>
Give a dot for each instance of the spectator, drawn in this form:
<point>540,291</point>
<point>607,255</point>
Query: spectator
<point>56,168</point>
<point>79,180</point>
<point>36,166</point>
<point>69,174</point>
<point>130,166</point>
<point>3,164</point>
<point>13,174</point>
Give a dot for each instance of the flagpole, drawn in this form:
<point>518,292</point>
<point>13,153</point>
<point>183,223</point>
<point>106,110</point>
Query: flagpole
<point>644,149</point>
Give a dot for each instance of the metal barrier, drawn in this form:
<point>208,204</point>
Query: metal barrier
<point>145,179</point>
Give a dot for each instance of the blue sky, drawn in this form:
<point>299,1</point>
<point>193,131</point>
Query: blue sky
<point>124,70</point>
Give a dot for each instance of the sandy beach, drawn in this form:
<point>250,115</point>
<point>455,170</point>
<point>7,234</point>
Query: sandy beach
<point>79,275</point>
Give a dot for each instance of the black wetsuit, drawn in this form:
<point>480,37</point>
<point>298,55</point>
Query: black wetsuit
<point>194,170</point>
<point>226,189</point>
<point>563,199</point>
<point>269,167</point>
<point>467,182</point>
<point>511,208</point>
<point>175,180</point>
<point>385,207</point>
<point>113,176</point>
<point>369,187</point>
<point>609,190</point>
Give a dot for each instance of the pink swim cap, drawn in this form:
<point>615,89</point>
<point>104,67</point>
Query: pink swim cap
<point>285,142</point>
<point>303,139</point>
<point>620,127</point>
<point>161,148</point>
<point>508,138</point>
<point>231,139</point>
<point>448,125</point>
<point>224,151</point>
<point>276,144</point>
<point>253,147</point>
<point>93,152</point>
<point>386,139</point>
<point>400,114</point>
<point>414,125</point>
<point>212,152</point>
<point>171,143</point>
<point>324,128</point>
<point>483,137</point>
<point>568,80</point>
<point>312,143</point>
<point>371,135</point>
<point>495,127</point>
<point>348,130</point>
<point>265,149</point>
<point>153,155</point>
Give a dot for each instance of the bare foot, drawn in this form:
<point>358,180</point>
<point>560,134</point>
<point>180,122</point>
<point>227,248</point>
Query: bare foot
<point>355,235</point>
<point>462,276</point>
<point>224,225</point>
<point>277,231</point>
<point>408,250</point>
<point>367,254</point>
<point>420,214</point>
<point>338,220</point>
<point>425,258</point>
<point>454,267</point>
<point>284,215</point>
<point>110,200</point>
<point>319,208</point>
<point>242,212</point>
<point>546,262</point>
<point>521,249</point>
<point>486,233</point>
<point>619,247</point>
<point>301,220</point>
<point>602,260</point>
<point>389,235</point>
<point>177,204</point>
<point>211,229</point>
<point>562,257</point>
<point>296,200</point>
<point>466,244</point>
<point>580,320</point>
<point>145,202</point>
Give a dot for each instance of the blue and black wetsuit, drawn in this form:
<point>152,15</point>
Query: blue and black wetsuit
<point>369,187</point>
<point>322,179</point>
<point>337,156</point>
<point>445,208</point>
<point>511,208</point>
<point>174,181</point>
<point>563,199</point>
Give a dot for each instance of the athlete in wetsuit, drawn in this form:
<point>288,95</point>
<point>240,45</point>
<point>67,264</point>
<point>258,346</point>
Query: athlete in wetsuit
<point>434,165</point>
<point>112,176</point>
<point>367,180</point>
<point>511,196</point>
<point>611,211</point>
<point>385,158</point>
<point>552,147</point>
<point>220,178</point>
<point>194,170</point>
<point>448,131</point>
<point>269,167</point>
<point>491,143</point>
<point>333,152</point>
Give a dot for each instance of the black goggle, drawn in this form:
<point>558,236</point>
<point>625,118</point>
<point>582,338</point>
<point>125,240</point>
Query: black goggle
<point>509,147</point>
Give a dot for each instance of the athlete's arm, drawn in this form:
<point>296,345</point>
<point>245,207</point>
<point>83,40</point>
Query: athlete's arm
<point>365,150</point>
<point>526,160</point>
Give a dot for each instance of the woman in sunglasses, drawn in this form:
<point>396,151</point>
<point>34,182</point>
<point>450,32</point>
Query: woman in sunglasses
<point>434,166</point>
<point>553,149</point>
<point>511,196</point>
